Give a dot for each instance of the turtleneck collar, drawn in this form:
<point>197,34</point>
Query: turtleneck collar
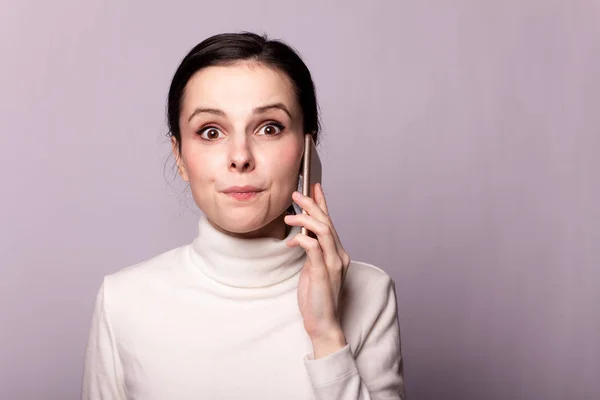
<point>245,263</point>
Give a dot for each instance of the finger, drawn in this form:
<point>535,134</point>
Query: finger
<point>314,253</point>
<point>311,207</point>
<point>318,269</point>
<point>320,198</point>
<point>324,234</point>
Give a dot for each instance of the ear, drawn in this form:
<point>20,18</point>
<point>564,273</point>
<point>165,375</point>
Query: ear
<point>179,160</point>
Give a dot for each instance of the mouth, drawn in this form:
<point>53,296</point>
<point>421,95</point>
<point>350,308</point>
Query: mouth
<point>242,193</point>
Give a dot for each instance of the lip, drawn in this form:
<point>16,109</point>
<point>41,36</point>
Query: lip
<point>242,192</point>
<point>242,189</point>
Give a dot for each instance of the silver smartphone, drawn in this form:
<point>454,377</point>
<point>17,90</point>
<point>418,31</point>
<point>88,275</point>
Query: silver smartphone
<point>311,171</point>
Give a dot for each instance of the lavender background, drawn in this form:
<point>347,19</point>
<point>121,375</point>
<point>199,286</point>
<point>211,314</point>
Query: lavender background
<point>460,155</point>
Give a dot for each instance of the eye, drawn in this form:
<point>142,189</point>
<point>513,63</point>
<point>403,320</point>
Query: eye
<point>210,133</point>
<point>271,129</point>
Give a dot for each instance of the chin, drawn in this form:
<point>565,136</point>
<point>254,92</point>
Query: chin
<point>239,226</point>
<point>247,222</point>
<point>242,221</point>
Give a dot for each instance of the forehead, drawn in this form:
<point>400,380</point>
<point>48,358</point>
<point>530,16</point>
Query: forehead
<point>238,89</point>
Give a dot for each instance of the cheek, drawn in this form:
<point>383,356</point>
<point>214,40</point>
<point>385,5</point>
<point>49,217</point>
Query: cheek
<point>287,164</point>
<point>201,170</point>
<point>200,165</point>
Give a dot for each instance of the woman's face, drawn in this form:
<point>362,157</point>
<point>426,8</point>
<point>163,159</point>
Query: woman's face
<point>241,146</point>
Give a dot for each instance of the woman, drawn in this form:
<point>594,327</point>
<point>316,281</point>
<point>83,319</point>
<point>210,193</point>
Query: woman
<point>252,308</point>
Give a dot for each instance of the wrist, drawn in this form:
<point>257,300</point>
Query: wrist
<point>328,344</point>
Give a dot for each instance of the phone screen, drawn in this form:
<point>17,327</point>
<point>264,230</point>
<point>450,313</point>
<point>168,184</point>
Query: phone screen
<point>311,170</point>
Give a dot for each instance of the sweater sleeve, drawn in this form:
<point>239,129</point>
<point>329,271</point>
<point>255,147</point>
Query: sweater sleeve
<point>376,373</point>
<point>103,372</point>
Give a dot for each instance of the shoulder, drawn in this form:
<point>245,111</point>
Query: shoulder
<point>368,296</point>
<point>367,276</point>
<point>134,284</point>
<point>149,269</point>
<point>128,299</point>
<point>368,289</point>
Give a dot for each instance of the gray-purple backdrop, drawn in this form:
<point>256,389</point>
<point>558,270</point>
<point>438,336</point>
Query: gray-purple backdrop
<point>460,153</point>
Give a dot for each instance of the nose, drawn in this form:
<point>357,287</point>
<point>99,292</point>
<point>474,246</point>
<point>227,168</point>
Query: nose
<point>241,158</point>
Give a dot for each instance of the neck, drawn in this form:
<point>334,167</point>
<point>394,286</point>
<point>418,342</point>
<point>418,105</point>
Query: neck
<point>247,262</point>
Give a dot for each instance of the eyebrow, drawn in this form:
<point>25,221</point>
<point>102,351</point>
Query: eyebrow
<point>257,110</point>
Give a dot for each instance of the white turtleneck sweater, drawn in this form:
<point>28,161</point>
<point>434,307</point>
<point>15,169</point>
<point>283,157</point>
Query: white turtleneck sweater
<point>219,319</point>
